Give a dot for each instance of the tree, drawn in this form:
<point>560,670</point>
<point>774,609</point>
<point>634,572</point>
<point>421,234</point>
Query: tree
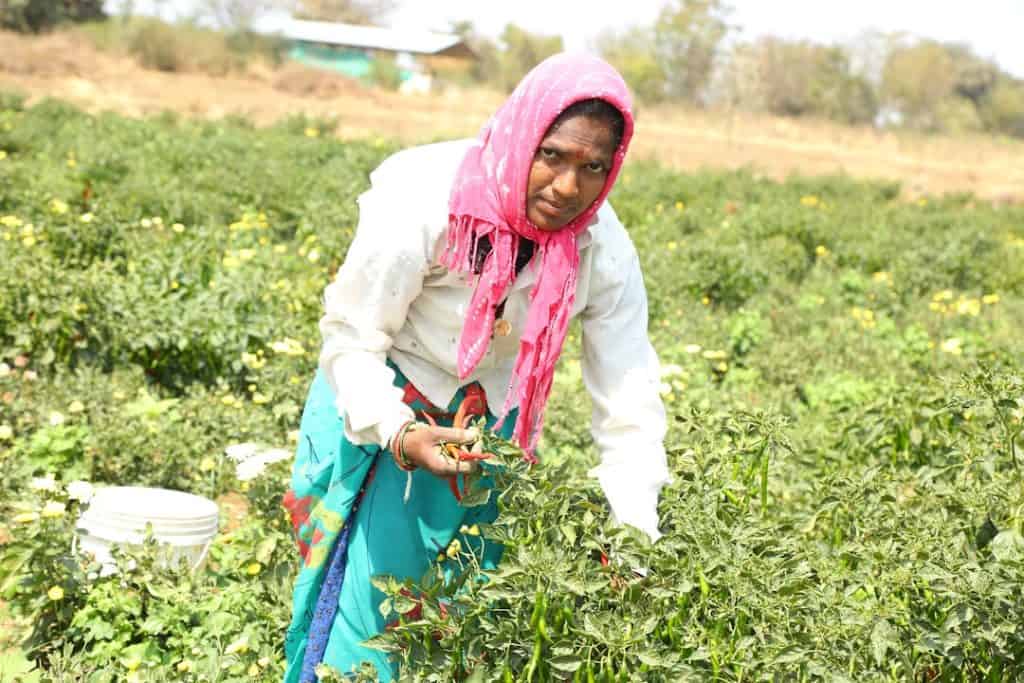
<point>687,38</point>
<point>798,79</point>
<point>345,11</point>
<point>33,16</point>
<point>521,51</point>
<point>916,80</point>
<point>1003,107</point>
<point>630,52</point>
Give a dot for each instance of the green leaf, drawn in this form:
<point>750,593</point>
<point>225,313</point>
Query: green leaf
<point>883,638</point>
<point>567,663</point>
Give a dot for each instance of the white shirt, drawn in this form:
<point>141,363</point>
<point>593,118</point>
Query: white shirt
<point>392,300</point>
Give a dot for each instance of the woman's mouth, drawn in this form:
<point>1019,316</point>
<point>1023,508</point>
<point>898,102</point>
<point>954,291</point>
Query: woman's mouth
<point>549,208</point>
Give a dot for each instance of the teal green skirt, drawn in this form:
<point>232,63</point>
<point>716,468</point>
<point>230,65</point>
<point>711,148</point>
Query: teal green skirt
<point>351,524</point>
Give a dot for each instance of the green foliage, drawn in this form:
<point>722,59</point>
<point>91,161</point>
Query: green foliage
<point>33,16</point>
<point>687,36</point>
<point>630,53</point>
<point>798,79</point>
<point>1003,108</point>
<point>840,369</point>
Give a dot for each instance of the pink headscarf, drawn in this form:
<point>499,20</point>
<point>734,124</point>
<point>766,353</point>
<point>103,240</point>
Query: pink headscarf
<point>488,198</point>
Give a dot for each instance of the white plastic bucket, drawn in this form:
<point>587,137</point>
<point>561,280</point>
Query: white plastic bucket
<point>185,524</point>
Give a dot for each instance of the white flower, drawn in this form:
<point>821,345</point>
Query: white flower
<point>56,419</point>
<point>80,490</point>
<point>46,483</point>
<point>76,407</point>
<point>671,370</point>
<point>692,348</point>
<point>6,432</point>
<point>253,459</point>
<point>288,347</point>
<point>5,369</point>
<point>241,451</point>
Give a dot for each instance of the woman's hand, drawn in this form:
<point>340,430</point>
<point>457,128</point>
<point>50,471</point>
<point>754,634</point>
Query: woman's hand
<point>422,447</point>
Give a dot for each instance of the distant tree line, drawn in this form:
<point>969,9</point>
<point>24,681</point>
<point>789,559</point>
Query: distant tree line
<point>692,54</point>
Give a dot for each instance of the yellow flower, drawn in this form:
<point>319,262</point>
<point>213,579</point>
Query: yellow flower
<point>313,256</point>
<point>809,200</point>
<point>3,154</point>
<point>58,207</point>
<point>722,367</point>
<point>454,548</point>
<point>228,400</point>
<point>312,132</point>
<point>72,163</point>
<point>705,300</point>
<point>922,202</point>
<point>25,517</point>
<point>54,509</point>
<point>990,299</point>
<point>184,666</point>
<point>440,557</point>
<point>86,217</point>
<point>473,530</point>
<point>146,223</point>
<point>944,295</point>
<point>680,206</point>
<point>672,246</point>
<point>280,248</point>
<point>882,276</point>
<point>11,221</point>
<point>821,250</point>
<point>259,399</point>
<point>178,228</point>
<point>968,307</point>
<point>28,241</point>
<point>207,464</point>
<point>55,593</point>
<point>254,670</point>
<point>953,345</point>
<point>293,436</point>
<point>288,347</point>
<point>6,432</point>
<point>253,568</point>
<point>692,348</point>
<point>715,355</point>
<point>76,407</point>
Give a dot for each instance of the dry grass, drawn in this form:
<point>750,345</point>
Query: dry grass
<point>70,68</point>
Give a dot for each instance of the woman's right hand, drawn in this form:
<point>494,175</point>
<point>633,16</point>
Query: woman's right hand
<point>422,447</point>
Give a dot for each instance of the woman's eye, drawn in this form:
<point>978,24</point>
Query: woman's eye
<point>596,167</point>
<point>548,153</point>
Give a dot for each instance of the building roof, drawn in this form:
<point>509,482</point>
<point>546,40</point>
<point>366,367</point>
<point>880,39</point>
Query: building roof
<point>368,37</point>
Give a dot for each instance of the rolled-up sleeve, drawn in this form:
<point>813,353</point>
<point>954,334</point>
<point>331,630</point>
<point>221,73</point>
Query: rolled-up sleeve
<point>622,374</point>
<point>364,307</point>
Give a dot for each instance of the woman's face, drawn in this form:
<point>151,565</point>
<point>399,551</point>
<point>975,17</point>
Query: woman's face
<point>569,171</point>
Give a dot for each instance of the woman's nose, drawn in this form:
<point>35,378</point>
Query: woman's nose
<point>565,184</point>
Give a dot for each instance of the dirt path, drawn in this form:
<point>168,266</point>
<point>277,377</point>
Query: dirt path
<point>688,140</point>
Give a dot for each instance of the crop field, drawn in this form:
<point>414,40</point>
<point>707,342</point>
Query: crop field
<point>841,367</point>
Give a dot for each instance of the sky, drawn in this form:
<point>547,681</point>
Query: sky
<point>993,28</point>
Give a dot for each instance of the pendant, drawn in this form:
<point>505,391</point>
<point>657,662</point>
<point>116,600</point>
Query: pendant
<point>502,327</point>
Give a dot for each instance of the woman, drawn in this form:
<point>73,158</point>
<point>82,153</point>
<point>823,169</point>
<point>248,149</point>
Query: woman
<point>469,261</point>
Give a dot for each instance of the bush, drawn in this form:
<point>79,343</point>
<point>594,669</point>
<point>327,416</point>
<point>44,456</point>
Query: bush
<point>33,16</point>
